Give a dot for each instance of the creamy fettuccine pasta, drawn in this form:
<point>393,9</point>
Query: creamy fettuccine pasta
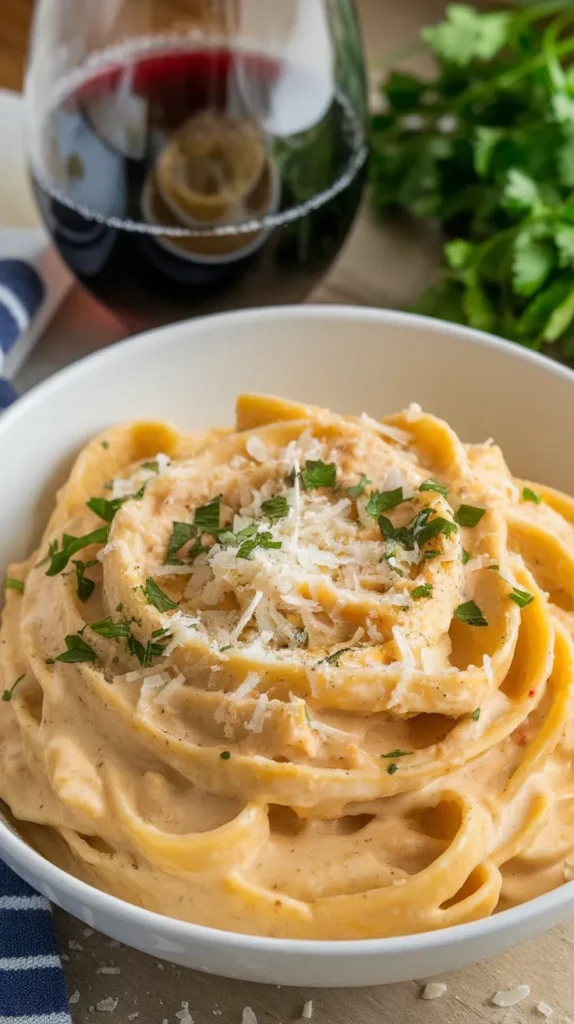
<point>311,677</point>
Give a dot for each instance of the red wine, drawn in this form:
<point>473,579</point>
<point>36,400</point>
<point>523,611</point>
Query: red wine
<point>179,182</point>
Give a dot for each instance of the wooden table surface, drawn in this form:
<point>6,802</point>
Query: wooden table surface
<point>378,267</point>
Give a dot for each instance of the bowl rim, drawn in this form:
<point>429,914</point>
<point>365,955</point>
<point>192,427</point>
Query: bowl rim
<point>37,866</point>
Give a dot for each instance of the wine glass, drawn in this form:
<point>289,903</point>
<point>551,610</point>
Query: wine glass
<point>190,156</point>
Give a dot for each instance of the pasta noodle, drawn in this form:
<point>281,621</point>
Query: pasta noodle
<point>310,678</point>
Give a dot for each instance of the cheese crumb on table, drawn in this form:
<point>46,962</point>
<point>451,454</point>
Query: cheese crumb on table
<point>248,1017</point>
<point>434,990</point>
<point>107,1005</point>
<point>307,1011</point>
<point>511,997</point>
<point>544,1009</point>
<point>74,998</point>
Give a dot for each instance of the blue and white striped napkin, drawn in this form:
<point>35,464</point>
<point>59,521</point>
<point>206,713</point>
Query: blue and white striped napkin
<point>32,986</point>
<point>33,280</point>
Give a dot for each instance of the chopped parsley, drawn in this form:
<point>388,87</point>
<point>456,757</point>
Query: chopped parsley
<point>225,755</point>
<point>465,557</point>
<point>105,445</point>
<point>181,534</point>
<point>318,474</point>
<point>428,555</point>
<point>419,531</point>
<point>529,495</point>
<point>307,715</point>
<point>333,659</point>
<point>275,508</point>
<point>105,509</point>
<point>470,613</point>
<point>475,715</point>
<point>206,517</point>
<point>495,568</point>
<point>398,753</point>
<point>111,630</point>
<point>392,769</point>
<point>382,501</point>
<point>521,597</point>
<point>152,466</point>
<point>120,607</point>
<point>10,583</point>
<point>70,545</point>
<point>144,654</point>
<point>157,597</point>
<point>52,548</point>
<point>301,638</point>
<point>7,695</point>
<point>257,540</point>
<point>357,489</point>
<point>469,515</point>
<point>433,485</point>
<point>425,590</point>
<point>77,650</point>
<point>84,586</point>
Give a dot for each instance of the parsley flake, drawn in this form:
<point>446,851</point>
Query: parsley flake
<point>301,638</point>
<point>258,540</point>
<point>105,445</point>
<point>475,715</point>
<point>111,630</point>
<point>398,753</point>
<point>206,517</point>
<point>392,769</point>
<point>425,590</point>
<point>382,501</point>
<point>333,659</point>
<point>529,495</point>
<point>152,466</point>
<point>157,597</point>
<point>318,474</point>
<point>78,650</point>
<point>469,515</point>
<point>434,485</point>
<point>70,545</point>
<point>7,695</point>
<point>225,755</point>
<point>84,587</point>
<point>181,534</point>
<point>275,508</point>
<point>521,597</point>
<point>470,613</point>
<point>419,531</point>
<point>357,489</point>
<point>465,557</point>
<point>10,583</point>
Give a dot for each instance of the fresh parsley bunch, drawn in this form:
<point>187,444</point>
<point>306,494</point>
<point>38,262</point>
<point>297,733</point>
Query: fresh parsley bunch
<point>487,147</point>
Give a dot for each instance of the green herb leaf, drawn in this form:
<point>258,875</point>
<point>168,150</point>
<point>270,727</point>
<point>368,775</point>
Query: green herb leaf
<point>419,531</point>
<point>533,262</point>
<point>207,517</point>
<point>10,583</point>
<point>529,495</point>
<point>260,540</point>
<point>8,694</point>
<point>425,590</point>
<point>398,753</point>
<point>106,509</point>
<point>475,715</point>
<point>357,489</point>
<point>84,586</point>
<point>318,474</point>
<point>70,545</point>
<point>560,320</point>
<point>459,253</point>
<point>333,659</point>
<point>468,35</point>
<point>145,654</point>
<point>486,141</point>
<point>469,515</point>
<point>470,613</point>
<point>521,191</point>
<point>105,445</point>
<point>181,534</point>
<point>225,755</point>
<point>521,597</point>
<point>392,769</point>
<point>433,485</point>
<point>275,508</point>
<point>465,557</point>
<point>111,630</point>
<point>152,466</point>
<point>77,650</point>
<point>157,597</point>
<point>382,501</point>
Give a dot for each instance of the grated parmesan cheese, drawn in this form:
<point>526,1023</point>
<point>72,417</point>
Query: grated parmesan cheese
<point>108,970</point>
<point>248,1017</point>
<point>487,665</point>
<point>307,1011</point>
<point>414,412</point>
<point>184,1015</point>
<point>434,990</point>
<point>74,998</point>
<point>246,617</point>
<point>256,723</point>
<point>406,654</point>
<point>256,449</point>
<point>394,433</point>
<point>107,1005</point>
<point>544,1009</point>
<point>511,996</point>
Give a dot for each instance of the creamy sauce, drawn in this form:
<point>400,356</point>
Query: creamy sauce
<point>310,678</point>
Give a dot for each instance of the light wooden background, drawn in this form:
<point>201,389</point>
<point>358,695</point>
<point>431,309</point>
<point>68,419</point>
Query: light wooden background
<point>378,267</point>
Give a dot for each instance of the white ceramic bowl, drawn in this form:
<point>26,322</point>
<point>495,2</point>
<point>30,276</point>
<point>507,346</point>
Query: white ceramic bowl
<point>349,359</point>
